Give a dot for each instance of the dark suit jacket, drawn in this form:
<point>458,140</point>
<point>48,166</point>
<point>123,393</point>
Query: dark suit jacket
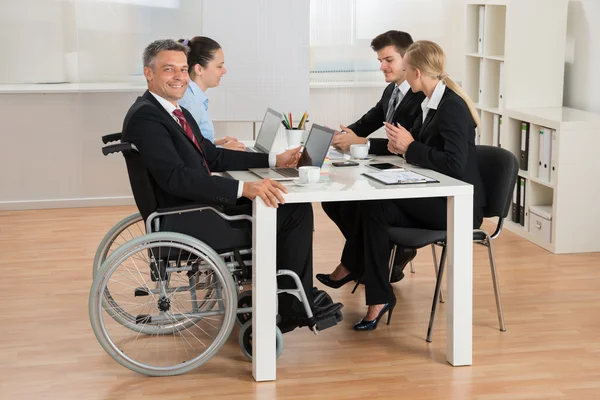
<point>445,142</point>
<point>174,163</point>
<point>406,113</point>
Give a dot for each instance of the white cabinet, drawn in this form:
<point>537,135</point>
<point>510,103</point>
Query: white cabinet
<point>517,77</point>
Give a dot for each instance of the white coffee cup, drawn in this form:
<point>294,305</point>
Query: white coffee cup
<point>309,174</point>
<point>359,151</point>
<point>294,137</point>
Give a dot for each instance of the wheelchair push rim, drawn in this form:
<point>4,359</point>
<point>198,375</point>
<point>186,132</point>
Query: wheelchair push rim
<point>175,333</point>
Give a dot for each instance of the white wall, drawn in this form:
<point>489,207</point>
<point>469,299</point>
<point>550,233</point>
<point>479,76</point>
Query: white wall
<point>58,135</point>
<point>582,67</point>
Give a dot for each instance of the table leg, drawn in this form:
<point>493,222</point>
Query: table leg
<point>459,297</point>
<point>264,291</point>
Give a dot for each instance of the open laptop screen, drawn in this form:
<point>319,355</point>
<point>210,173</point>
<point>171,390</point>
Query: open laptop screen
<point>317,146</point>
<point>268,130</point>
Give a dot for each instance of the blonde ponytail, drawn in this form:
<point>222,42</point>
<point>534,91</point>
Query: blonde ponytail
<point>458,90</point>
<point>429,58</point>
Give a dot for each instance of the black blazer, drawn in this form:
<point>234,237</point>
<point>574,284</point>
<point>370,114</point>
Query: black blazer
<point>406,113</point>
<point>174,163</point>
<point>445,142</point>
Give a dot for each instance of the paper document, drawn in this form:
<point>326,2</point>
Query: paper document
<point>398,176</point>
<point>334,154</point>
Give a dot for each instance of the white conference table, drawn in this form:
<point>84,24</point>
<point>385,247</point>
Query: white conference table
<point>347,184</point>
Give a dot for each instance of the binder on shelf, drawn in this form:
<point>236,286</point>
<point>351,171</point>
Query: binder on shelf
<point>522,202</point>
<point>524,146</point>
<point>515,202</point>
<point>541,153</point>
<point>499,130</point>
<point>544,154</point>
<point>481,81</point>
<point>496,130</point>
<point>501,88</point>
<point>553,156</point>
<point>481,29</point>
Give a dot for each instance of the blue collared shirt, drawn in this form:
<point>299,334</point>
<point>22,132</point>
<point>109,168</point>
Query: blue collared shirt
<point>195,101</point>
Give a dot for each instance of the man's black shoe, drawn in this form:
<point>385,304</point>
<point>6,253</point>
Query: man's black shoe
<point>403,257</point>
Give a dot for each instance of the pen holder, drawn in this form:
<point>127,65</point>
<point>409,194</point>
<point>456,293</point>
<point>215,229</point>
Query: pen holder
<point>294,137</point>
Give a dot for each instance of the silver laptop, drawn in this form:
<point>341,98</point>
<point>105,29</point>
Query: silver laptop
<point>268,132</point>
<point>314,153</point>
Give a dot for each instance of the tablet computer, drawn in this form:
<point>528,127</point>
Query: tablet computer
<point>383,166</point>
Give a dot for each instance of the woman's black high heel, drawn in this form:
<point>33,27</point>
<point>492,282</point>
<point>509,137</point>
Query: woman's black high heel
<point>327,281</point>
<point>364,325</point>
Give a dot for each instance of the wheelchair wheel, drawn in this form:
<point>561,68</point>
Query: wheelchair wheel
<point>245,340</point>
<point>160,327</point>
<point>244,301</point>
<point>127,229</point>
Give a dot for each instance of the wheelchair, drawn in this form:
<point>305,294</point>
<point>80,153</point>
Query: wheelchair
<point>163,303</point>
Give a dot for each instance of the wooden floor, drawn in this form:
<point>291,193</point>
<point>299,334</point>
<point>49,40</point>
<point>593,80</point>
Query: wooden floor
<point>551,349</point>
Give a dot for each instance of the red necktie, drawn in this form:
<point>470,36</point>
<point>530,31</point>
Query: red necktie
<point>188,130</point>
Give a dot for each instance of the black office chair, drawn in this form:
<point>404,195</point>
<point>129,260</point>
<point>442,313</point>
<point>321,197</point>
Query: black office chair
<point>498,168</point>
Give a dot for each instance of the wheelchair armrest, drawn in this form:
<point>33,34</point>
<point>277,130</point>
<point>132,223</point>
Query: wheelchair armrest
<point>122,147</point>
<point>192,208</point>
<point>113,137</point>
<point>187,208</point>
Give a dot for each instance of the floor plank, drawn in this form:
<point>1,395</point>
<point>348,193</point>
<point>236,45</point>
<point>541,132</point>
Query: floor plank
<point>551,349</point>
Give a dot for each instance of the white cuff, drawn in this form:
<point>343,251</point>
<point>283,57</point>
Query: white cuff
<point>272,160</point>
<point>240,189</point>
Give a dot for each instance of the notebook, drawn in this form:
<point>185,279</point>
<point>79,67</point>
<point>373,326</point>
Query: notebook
<point>399,177</point>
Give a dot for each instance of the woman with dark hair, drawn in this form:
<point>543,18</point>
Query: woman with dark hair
<point>206,63</point>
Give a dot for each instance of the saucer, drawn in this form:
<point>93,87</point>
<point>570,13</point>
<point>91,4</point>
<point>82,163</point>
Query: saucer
<point>298,183</point>
<point>367,158</point>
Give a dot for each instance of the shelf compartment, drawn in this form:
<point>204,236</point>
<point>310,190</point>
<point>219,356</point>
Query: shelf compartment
<point>486,128</point>
<point>472,74</point>
<point>472,26</point>
<point>510,136</point>
<point>491,83</point>
<point>494,30</point>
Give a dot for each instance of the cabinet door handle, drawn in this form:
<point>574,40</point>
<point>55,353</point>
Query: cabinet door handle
<point>538,224</point>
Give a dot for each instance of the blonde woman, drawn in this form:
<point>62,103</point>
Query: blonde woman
<point>442,139</point>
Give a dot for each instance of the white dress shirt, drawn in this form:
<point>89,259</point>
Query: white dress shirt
<point>433,102</point>
<point>404,88</point>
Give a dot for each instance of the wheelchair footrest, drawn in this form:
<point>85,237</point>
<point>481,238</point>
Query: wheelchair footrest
<point>326,322</point>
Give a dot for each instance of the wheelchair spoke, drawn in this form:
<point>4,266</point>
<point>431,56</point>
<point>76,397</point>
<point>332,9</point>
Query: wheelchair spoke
<point>195,324</point>
<point>184,300</point>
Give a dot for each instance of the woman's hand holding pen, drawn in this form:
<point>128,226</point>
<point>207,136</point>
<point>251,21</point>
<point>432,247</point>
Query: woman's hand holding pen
<point>398,138</point>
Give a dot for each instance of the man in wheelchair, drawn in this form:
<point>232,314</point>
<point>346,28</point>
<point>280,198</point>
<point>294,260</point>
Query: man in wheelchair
<point>174,168</point>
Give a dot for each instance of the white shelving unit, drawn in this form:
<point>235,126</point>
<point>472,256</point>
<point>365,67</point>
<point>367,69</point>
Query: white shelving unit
<point>514,70</point>
<point>573,191</point>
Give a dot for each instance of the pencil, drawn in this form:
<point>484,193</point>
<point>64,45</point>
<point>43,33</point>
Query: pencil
<point>302,121</point>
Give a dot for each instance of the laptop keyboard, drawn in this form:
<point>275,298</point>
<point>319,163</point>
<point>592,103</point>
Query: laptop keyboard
<point>287,172</point>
